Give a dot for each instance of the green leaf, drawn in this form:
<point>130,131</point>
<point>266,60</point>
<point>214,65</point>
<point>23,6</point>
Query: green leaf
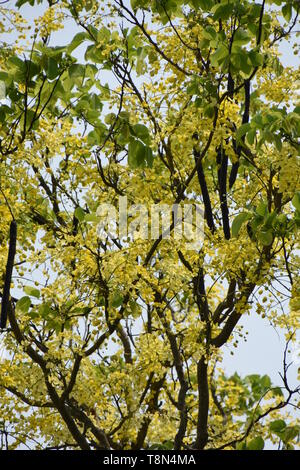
<point>251,136</point>
<point>269,220</point>
<point>265,382</point>
<point>219,55</point>
<point>296,200</point>
<point>241,37</point>
<point>76,70</point>
<point>242,130</point>
<point>238,222</point>
<point>110,118</point>
<point>55,52</point>
<point>124,115</point>
<point>52,68</point>
<point>135,308</point>
<point>78,39</point>
<point>256,444</point>
<point>290,433</point>
<point>17,63</point>
<point>96,136</point>
<point>32,70</point>
<point>262,209</point>
<point>135,4</point>
<point>2,114</point>
<point>222,11</point>
<point>124,135</point>
<point>135,154</point>
<point>277,392</point>
<point>149,156</point>
<point>166,445</point>
<point>23,304</point>
<point>205,5</point>
<point>277,426</point>
<point>289,446</point>
<point>91,218</point>
<point>240,61</point>
<point>103,34</point>
<point>139,154</point>
<point>101,301</point>
<point>94,102</point>
<point>241,446</point>
<point>45,310</point>
<point>252,28</point>
<point>117,300</point>
<point>140,63</point>
<point>266,237</point>
<point>4,76</point>
<point>32,291</point>
<point>209,111</point>
<point>83,310</point>
<point>17,67</point>
<point>94,54</point>
<point>209,33</point>
<point>287,11</point>
<point>141,131</point>
<point>22,2</point>
<point>278,143</point>
<point>93,138</point>
<point>79,214</point>
<point>256,58</point>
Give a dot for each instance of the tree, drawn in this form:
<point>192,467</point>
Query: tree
<point>115,341</point>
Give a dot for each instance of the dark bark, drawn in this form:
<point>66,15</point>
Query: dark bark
<point>8,273</point>
<point>245,120</point>
<point>203,405</point>
<point>222,161</point>
<point>205,194</point>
